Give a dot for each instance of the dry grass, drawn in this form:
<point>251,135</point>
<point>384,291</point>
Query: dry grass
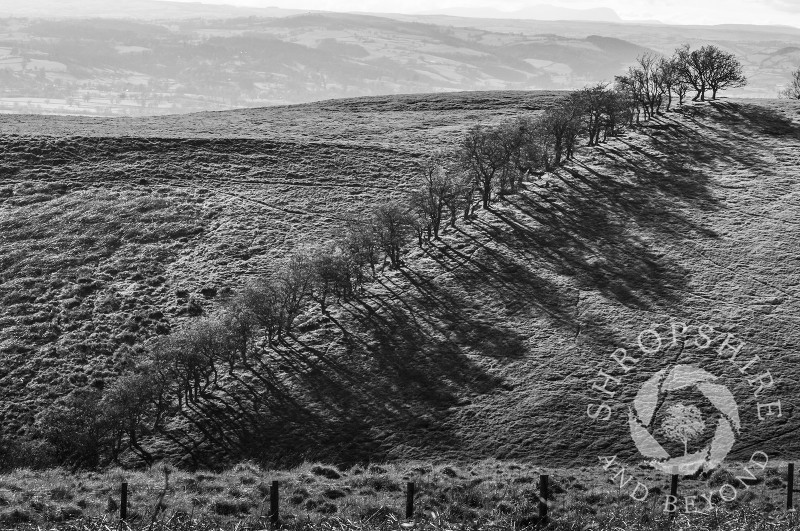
<point>481,495</point>
<point>483,346</point>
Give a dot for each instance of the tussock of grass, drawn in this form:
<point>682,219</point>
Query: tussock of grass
<point>481,495</point>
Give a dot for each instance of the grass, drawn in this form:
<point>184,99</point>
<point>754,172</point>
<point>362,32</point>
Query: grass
<point>489,494</point>
<point>484,346</point>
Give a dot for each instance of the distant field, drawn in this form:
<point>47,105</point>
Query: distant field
<point>486,345</point>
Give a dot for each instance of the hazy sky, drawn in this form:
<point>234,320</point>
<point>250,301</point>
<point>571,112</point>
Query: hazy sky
<point>785,12</point>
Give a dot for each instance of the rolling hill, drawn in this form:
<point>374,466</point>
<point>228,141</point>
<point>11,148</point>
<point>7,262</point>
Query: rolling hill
<point>162,62</point>
<point>485,345</point>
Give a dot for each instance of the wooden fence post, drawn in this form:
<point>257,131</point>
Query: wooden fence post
<point>789,486</point>
<point>273,504</point>
<point>123,501</point>
<point>673,490</point>
<point>409,500</point>
<point>544,519</point>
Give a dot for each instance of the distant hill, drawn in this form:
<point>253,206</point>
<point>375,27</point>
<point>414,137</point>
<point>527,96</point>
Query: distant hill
<point>136,9</point>
<point>172,57</point>
<point>536,12</point>
<point>138,67</point>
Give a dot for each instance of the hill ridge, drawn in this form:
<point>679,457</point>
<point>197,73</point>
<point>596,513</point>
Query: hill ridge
<point>486,344</point>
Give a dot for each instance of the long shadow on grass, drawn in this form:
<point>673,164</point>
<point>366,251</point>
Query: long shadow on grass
<point>398,369</point>
<point>746,117</point>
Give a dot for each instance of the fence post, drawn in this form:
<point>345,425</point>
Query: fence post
<point>789,486</point>
<point>123,501</point>
<point>409,500</point>
<point>673,489</point>
<point>544,480</point>
<point>273,504</point>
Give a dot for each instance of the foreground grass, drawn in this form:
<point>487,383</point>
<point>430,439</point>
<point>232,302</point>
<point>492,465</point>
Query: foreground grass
<point>481,495</point>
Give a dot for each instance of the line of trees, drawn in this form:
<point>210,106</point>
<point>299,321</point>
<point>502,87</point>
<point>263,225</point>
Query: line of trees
<point>186,375</point>
<point>654,80</point>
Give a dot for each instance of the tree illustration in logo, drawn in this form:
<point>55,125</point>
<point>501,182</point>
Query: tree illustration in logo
<point>683,424</point>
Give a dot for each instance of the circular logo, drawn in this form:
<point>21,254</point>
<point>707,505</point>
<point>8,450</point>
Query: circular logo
<point>682,420</point>
<point>683,423</point>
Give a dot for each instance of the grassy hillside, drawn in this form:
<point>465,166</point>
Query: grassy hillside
<point>485,345</point>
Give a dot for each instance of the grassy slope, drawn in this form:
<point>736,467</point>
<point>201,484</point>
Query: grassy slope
<point>486,345</point>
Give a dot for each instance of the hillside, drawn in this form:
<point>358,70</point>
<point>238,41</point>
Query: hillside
<point>485,345</point>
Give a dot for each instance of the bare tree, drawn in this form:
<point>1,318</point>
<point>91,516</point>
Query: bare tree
<point>134,404</point>
<point>333,274</point>
<point>190,356</point>
<point>361,243</point>
<point>651,81</point>
<point>463,196</point>
<point>692,67</point>
<point>724,71</point>
<point>792,90</point>
<point>483,155</point>
<point>295,281</point>
<point>709,68</point>
<point>259,303</point>
<point>628,87</point>
<point>535,154</point>
<point>617,111</point>
<point>668,76</point>
<point>681,87</point>
<point>563,124</point>
<point>437,187</point>
<point>393,226</point>
<point>591,102</point>
<point>515,141</point>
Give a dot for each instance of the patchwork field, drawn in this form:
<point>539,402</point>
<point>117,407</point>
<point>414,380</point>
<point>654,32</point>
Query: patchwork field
<point>485,346</point>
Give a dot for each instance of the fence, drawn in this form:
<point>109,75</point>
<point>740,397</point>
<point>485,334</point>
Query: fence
<point>274,501</point>
<point>544,497</point>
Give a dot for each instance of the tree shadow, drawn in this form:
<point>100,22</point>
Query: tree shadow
<point>746,117</point>
<point>405,357</point>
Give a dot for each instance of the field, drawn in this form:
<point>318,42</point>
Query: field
<point>485,346</point>
<point>487,494</point>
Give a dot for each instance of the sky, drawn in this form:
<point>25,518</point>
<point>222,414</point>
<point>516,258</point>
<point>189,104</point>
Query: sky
<point>784,12</point>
